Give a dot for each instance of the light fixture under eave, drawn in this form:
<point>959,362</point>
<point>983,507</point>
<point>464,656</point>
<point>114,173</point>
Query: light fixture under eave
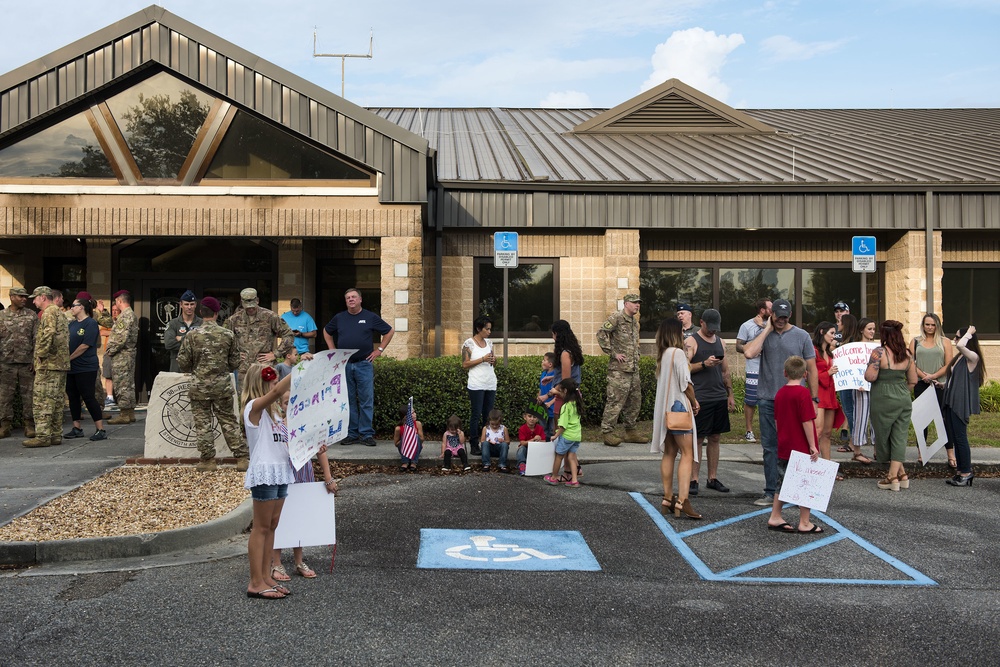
<point>751,229</point>
<point>354,241</point>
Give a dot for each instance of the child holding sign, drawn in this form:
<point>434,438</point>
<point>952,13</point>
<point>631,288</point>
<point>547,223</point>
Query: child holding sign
<point>794,418</point>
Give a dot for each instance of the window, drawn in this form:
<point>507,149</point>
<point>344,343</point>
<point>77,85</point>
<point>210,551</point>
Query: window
<point>532,289</point>
<point>732,290</point>
<point>68,149</point>
<point>969,296</point>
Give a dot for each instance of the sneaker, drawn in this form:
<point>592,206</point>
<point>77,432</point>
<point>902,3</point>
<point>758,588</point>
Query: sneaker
<point>749,437</point>
<point>108,402</point>
<point>74,433</point>
<point>520,469</point>
<point>553,481</point>
<point>716,485</point>
<point>368,442</point>
<point>693,490</point>
<point>445,469</point>
<point>573,485</point>
<point>466,468</point>
<point>99,435</point>
<point>349,441</point>
<point>764,501</point>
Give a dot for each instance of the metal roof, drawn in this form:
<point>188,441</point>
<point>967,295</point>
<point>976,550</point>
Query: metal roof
<point>820,147</point>
<point>155,37</point>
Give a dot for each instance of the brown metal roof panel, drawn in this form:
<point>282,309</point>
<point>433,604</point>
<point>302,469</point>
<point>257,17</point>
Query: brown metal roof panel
<point>529,161</point>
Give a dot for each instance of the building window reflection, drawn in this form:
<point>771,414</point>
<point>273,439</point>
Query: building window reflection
<point>532,291</point>
<point>68,149</point>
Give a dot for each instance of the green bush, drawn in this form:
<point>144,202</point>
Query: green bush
<point>989,397</point>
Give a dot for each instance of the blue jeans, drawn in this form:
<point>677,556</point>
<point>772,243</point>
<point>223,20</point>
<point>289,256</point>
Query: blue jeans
<point>499,450</point>
<point>522,454</point>
<point>361,394</point>
<point>958,435</point>
<point>404,460</point>
<point>847,403</point>
<point>769,443</point>
<point>482,402</point>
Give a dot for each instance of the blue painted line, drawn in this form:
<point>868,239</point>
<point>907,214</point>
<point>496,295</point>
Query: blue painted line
<point>761,562</point>
<point>706,573</point>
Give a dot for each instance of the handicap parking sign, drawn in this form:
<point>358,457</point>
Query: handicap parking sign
<point>530,550</point>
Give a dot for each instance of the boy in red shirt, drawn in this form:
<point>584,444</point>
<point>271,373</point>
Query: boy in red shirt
<point>530,431</point>
<point>794,416</point>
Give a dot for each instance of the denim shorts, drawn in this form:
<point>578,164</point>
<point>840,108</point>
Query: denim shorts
<point>564,446</point>
<point>269,491</point>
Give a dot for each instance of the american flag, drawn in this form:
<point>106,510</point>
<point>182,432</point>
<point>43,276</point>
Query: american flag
<point>408,444</point>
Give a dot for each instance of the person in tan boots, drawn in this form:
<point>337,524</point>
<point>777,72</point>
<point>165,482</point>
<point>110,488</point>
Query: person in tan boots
<point>121,348</point>
<point>18,325</point>
<point>51,362</point>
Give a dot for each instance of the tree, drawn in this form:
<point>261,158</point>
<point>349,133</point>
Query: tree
<point>160,133</point>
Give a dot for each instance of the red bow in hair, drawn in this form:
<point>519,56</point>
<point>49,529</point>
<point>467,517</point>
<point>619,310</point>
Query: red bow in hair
<point>268,374</point>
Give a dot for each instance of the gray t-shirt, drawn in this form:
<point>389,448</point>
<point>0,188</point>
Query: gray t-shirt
<point>747,333</point>
<point>773,355</point>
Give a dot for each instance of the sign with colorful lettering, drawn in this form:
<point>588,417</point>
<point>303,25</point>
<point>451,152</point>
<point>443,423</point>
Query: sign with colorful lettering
<point>851,360</point>
<point>318,410</point>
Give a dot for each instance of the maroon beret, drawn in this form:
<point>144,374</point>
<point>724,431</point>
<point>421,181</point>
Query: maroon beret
<point>211,303</point>
<point>84,296</point>
<point>119,293</point>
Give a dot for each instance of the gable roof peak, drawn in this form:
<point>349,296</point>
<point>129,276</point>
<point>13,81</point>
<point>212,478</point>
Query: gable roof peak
<point>673,107</point>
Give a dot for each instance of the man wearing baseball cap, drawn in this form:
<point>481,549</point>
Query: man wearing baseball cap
<point>779,340</point>
<point>619,338</point>
<point>51,361</point>
<point>179,326</point>
<point>18,325</point>
<point>685,314</point>
<point>839,309</point>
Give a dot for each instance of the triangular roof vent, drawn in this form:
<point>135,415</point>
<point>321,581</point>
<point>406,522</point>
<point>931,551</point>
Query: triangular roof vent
<point>673,107</point>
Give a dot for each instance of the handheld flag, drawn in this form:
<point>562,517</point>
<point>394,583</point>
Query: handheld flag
<point>408,443</point>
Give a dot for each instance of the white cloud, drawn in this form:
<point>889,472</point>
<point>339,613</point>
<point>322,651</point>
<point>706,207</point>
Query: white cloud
<point>695,56</point>
<point>783,47</point>
<point>566,99</point>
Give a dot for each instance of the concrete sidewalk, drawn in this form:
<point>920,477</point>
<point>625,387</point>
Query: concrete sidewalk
<point>32,477</point>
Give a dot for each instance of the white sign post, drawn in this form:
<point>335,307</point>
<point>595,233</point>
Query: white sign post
<point>863,262</point>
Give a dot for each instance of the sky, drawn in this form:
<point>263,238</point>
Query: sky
<point>750,54</point>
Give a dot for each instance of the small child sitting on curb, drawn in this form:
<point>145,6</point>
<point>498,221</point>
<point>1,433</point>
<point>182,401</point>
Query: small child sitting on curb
<point>530,431</point>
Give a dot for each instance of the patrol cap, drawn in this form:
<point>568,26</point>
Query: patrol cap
<point>209,302</point>
<point>42,290</point>
<point>84,296</point>
<point>712,319</point>
<point>684,306</point>
<point>18,291</point>
<point>249,297</point>
<point>781,308</point>
<point>189,296</point>
<point>632,298</point>
<point>841,305</point>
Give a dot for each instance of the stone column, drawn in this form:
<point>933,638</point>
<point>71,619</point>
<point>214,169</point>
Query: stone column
<point>906,280</point>
<point>402,293</point>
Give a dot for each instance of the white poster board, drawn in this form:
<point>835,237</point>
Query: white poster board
<point>926,411</point>
<point>808,484</point>
<point>541,456</point>
<point>851,360</point>
<point>308,517</point>
<point>319,412</point>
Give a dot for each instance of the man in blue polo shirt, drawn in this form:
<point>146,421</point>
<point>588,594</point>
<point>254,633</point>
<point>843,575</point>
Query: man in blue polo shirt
<point>778,341</point>
<point>354,328</point>
<point>301,324</point>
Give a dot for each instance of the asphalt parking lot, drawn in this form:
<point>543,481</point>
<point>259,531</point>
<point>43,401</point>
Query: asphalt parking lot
<point>928,554</point>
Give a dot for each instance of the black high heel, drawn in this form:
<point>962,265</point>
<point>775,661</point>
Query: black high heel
<point>961,480</point>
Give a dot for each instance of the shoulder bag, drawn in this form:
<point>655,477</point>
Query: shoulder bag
<point>676,421</point>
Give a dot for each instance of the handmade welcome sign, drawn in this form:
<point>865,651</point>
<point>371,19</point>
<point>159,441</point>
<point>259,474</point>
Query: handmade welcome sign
<point>807,483</point>
<point>851,360</point>
<point>318,410</point>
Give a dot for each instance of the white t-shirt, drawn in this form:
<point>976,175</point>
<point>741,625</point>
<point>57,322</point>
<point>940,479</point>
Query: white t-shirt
<point>481,376</point>
<point>269,462</point>
<point>747,333</point>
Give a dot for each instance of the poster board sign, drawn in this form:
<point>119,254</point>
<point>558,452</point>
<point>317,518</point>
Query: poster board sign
<point>308,517</point>
<point>851,360</point>
<point>318,409</point>
<point>808,484</point>
<point>927,411</point>
<point>541,455</point>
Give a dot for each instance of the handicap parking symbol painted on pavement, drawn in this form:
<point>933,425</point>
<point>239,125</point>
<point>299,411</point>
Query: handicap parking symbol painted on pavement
<point>532,550</point>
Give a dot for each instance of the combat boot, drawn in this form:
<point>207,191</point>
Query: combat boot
<point>242,464</point>
<point>635,435</point>
<point>29,428</point>
<point>611,439</point>
<point>36,442</point>
<point>5,429</point>
<point>207,465</point>
<point>55,440</point>
<point>124,417</point>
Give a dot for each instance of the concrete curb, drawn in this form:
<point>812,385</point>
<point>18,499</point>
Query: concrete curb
<point>127,546</point>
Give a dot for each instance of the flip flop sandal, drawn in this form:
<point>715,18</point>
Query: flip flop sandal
<point>844,448</point>
<point>278,573</point>
<point>781,528</point>
<point>305,571</point>
<point>262,595</point>
<point>814,529</point>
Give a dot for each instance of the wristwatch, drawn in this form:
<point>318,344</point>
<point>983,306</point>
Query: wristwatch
<point>815,399</point>
<point>381,349</point>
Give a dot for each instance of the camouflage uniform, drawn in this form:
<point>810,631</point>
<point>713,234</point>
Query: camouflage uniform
<point>177,327</point>
<point>104,319</point>
<point>17,345</point>
<point>121,349</point>
<point>620,335</point>
<point>257,335</point>
<point>51,366</point>
<point>209,352</point>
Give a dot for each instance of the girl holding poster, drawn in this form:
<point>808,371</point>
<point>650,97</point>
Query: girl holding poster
<point>269,473</point>
<point>961,399</point>
<point>862,432</point>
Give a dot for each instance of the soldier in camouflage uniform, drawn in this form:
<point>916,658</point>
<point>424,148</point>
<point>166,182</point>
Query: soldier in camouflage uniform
<point>210,353</point>
<point>121,349</point>
<point>51,364</point>
<point>257,330</point>
<point>18,325</point>
<point>619,338</point>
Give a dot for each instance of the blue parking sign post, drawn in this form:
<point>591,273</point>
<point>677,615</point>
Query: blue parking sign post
<point>863,262</point>
<point>505,257</point>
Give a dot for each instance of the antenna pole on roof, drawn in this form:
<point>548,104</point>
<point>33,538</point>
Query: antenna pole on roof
<point>344,56</point>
